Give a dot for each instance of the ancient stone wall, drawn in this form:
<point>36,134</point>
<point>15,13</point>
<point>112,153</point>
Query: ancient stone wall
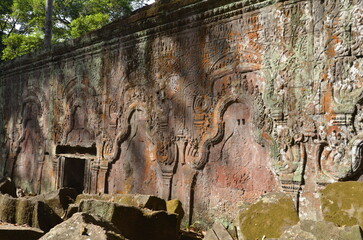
<point>212,102</point>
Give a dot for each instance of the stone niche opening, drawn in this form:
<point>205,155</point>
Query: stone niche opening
<point>75,167</point>
<point>74,171</point>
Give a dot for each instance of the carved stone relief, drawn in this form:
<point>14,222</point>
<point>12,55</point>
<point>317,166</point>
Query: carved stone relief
<point>226,102</point>
<point>30,149</point>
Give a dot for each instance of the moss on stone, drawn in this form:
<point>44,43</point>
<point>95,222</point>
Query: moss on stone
<point>175,207</point>
<point>342,203</point>
<point>269,217</point>
<point>136,200</point>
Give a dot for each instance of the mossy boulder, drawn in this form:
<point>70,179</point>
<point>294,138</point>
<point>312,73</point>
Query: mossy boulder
<point>342,203</point>
<point>270,216</point>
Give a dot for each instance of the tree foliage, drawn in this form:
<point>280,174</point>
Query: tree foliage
<point>19,44</point>
<point>22,21</point>
<point>84,24</point>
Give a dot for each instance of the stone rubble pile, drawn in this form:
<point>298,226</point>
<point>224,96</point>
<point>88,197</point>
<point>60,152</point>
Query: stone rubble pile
<point>64,215</point>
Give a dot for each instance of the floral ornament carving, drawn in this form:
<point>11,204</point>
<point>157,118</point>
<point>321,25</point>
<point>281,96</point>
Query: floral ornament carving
<point>333,159</point>
<point>167,154</point>
<point>357,30</point>
<point>291,156</point>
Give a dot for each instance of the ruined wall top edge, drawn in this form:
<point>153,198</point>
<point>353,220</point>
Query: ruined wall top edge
<point>156,19</point>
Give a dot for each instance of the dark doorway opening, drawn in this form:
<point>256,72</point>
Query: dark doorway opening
<point>74,169</point>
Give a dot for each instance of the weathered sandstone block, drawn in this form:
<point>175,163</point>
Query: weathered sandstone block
<point>58,200</point>
<point>72,209</point>
<point>176,207</point>
<point>82,226</point>
<point>136,200</point>
<point>270,216</point>
<point>24,211</point>
<point>321,230</point>
<point>132,222</point>
<point>8,208</point>
<point>11,232</point>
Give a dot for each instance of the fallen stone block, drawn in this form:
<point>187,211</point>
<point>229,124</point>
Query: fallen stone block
<point>7,208</point>
<point>175,206</point>
<point>44,217</point>
<point>132,222</point>
<point>7,187</point>
<point>321,230</point>
<point>11,232</point>
<point>24,211</point>
<point>268,217</point>
<point>83,226</point>
<point>342,203</point>
<point>72,209</point>
<point>136,200</point>
<point>218,232</point>
<point>58,200</point>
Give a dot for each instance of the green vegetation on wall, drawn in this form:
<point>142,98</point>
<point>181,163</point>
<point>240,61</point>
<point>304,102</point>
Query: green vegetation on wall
<point>22,21</point>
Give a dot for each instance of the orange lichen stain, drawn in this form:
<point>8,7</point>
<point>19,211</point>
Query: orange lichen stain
<point>128,188</point>
<point>233,34</point>
<point>256,24</point>
<point>267,137</point>
<point>253,35</point>
<point>331,47</point>
<point>327,99</point>
<point>333,128</point>
<point>205,59</point>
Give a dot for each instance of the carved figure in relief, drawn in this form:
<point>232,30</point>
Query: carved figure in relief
<point>291,154</point>
<point>30,148</point>
<point>81,120</point>
<point>79,132</point>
